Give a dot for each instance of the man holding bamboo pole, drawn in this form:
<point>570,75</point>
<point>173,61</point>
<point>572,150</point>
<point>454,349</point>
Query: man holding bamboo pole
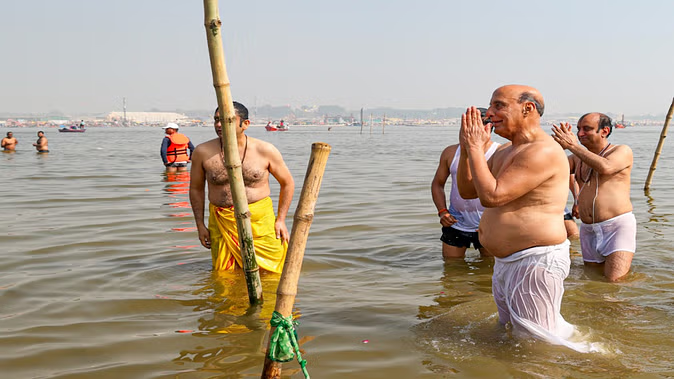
<point>603,172</point>
<point>258,160</point>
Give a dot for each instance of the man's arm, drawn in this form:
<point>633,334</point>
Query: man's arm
<point>198,198</point>
<point>438,186</point>
<point>464,178</point>
<point>440,179</point>
<point>281,173</point>
<point>528,170</point>
<point>164,148</point>
<point>4,142</point>
<point>573,187</point>
<point>191,147</point>
<point>469,136</point>
<point>617,160</point>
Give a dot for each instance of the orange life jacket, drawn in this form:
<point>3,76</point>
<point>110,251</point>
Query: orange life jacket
<point>178,149</point>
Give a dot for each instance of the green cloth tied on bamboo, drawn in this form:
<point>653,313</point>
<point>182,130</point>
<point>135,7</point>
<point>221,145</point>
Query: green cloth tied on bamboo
<point>283,342</point>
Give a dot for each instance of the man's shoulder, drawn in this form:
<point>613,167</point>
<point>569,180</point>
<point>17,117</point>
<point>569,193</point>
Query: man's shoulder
<point>209,143</point>
<point>622,148</point>
<point>263,147</point>
<point>541,149</point>
<point>450,150</point>
<point>621,153</point>
<point>207,146</point>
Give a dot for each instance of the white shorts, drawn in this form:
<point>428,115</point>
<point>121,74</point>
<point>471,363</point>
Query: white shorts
<point>528,286</point>
<point>601,239</point>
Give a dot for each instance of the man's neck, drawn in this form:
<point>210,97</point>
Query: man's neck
<point>527,134</point>
<point>600,147</point>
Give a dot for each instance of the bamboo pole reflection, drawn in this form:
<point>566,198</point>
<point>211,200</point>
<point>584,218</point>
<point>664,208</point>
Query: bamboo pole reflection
<point>233,333</point>
<point>656,220</point>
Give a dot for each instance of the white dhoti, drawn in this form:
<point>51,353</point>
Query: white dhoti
<point>528,286</point>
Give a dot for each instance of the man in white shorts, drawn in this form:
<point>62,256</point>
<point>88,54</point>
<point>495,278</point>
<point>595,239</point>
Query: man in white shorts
<point>524,188</point>
<point>602,171</point>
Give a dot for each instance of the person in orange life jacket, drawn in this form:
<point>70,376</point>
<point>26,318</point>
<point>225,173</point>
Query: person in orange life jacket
<point>174,149</point>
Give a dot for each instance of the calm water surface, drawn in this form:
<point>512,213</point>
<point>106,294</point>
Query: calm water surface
<point>103,275</point>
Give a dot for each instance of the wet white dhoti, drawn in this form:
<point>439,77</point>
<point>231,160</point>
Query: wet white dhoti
<point>601,239</point>
<point>528,287</point>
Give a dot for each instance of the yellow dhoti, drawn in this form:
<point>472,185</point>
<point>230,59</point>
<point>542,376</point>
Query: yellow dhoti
<point>270,252</point>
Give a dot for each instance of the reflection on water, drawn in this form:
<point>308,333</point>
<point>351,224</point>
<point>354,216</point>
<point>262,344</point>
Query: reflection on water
<point>177,189</point>
<point>236,331</point>
<point>103,274</point>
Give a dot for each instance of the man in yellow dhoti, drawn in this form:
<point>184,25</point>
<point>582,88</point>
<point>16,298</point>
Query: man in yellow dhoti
<point>258,160</point>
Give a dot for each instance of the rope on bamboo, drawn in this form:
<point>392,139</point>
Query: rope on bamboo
<point>283,343</point>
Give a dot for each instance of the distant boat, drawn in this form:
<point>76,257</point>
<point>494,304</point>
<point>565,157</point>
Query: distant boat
<point>621,124</point>
<point>272,128</point>
<point>72,129</point>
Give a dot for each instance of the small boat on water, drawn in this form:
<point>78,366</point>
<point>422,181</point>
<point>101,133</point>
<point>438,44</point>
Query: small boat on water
<point>72,129</point>
<point>273,128</point>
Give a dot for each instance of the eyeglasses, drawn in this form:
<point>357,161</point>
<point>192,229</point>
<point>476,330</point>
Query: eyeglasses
<point>217,119</point>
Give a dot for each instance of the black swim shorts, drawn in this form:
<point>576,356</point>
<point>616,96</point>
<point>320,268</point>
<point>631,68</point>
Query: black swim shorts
<point>458,238</point>
<point>567,216</point>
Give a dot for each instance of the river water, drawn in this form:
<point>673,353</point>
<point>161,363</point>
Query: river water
<point>103,275</point>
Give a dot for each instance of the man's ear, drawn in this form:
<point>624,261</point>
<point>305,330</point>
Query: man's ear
<point>605,131</point>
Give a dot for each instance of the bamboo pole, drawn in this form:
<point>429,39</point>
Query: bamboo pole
<point>383,124</point>
<point>361,120</point>
<point>370,123</point>
<point>304,216</point>
<point>231,150</point>
<point>661,142</point>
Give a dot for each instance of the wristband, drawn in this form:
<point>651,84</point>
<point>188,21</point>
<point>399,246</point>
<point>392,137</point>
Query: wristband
<point>441,211</point>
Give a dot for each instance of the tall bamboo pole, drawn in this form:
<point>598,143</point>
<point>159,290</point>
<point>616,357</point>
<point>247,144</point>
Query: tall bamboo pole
<point>361,120</point>
<point>661,142</point>
<point>231,150</point>
<point>370,123</point>
<point>304,216</point>
<point>383,124</point>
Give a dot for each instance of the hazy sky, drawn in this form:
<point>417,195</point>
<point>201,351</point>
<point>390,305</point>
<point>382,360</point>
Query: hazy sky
<point>85,56</point>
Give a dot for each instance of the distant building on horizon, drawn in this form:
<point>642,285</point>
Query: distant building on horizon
<point>147,117</point>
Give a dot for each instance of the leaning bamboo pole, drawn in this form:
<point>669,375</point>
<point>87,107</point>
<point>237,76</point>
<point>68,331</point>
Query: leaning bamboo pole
<point>231,150</point>
<point>304,216</point>
<point>661,142</point>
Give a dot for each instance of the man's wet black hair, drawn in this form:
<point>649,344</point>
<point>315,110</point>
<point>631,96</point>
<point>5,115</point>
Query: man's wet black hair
<point>604,122</point>
<point>239,109</point>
